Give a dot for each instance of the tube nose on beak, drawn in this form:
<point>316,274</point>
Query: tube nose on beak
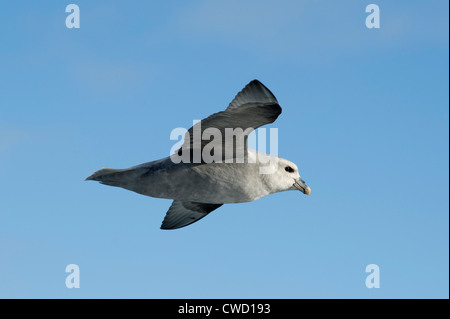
<point>301,186</point>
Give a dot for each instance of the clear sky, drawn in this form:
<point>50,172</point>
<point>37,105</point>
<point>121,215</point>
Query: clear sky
<point>365,117</point>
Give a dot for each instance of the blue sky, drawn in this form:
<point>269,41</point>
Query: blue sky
<point>365,117</point>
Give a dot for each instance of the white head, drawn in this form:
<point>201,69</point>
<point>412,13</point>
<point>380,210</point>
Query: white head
<point>285,176</point>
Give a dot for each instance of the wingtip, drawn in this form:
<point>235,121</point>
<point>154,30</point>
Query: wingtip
<point>256,82</point>
<point>164,227</point>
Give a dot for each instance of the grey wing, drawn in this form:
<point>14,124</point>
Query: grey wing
<point>253,107</point>
<point>182,214</point>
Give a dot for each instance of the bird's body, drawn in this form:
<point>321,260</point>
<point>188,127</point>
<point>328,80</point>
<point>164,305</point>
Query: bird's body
<point>215,183</point>
<point>198,188</point>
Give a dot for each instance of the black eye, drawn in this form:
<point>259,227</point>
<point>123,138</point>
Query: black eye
<point>289,169</point>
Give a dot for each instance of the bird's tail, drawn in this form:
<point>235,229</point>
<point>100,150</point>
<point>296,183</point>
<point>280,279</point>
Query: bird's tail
<point>109,176</point>
<point>127,178</point>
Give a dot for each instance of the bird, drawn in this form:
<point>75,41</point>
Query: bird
<point>234,175</point>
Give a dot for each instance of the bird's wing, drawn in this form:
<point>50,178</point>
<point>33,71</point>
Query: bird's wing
<point>252,107</point>
<point>182,213</point>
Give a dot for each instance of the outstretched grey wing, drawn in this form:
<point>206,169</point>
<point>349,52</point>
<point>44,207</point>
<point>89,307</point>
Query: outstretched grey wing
<point>253,107</point>
<point>181,213</point>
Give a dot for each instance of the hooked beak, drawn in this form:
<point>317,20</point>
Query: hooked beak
<point>301,186</point>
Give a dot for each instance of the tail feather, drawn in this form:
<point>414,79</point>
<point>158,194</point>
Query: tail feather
<point>104,174</point>
<point>128,178</point>
<point>125,178</point>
